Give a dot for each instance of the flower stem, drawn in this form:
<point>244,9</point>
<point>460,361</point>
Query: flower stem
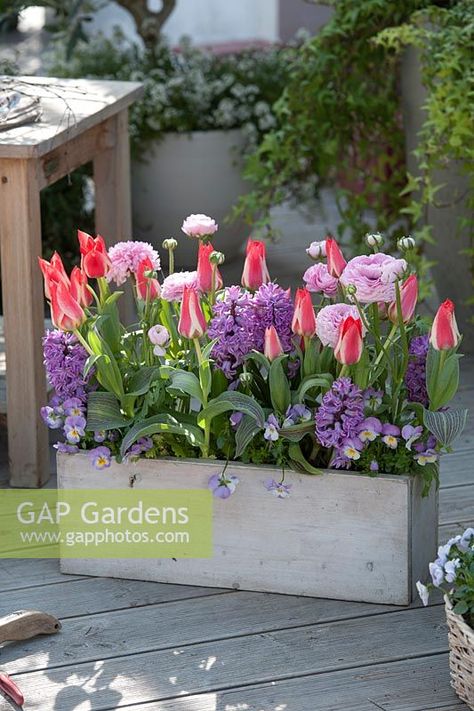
<point>170,261</point>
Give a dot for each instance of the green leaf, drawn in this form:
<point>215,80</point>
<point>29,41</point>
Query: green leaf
<point>296,432</point>
<point>279,387</point>
<point>141,380</point>
<point>246,431</point>
<point>299,462</point>
<point>259,359</point>
<point>186,383</point>
<point>165,424</point>
<point>446,426</point>
<point>231,400</point>
<point>103,412</point>
<point>442,377</point>
<point>322,381</point>
<point>460,608</point>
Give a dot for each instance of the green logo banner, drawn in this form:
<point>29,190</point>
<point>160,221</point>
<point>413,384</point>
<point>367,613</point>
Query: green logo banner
<point>104,523</point>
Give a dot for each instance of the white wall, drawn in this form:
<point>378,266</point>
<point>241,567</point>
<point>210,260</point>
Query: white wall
<point>205,21</point>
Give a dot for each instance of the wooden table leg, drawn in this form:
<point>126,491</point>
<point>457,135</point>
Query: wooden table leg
<point>113,210</point>
<point>23,306</point>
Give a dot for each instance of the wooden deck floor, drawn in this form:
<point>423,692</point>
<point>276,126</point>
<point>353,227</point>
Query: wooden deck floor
<point>155,647</point>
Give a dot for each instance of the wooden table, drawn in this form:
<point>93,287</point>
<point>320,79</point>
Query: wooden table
<point>82,121</point>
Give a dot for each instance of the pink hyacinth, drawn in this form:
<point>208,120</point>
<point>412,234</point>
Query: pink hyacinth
<point>173,286</point>
<point>126,257</point>
<point>330,318</point>
<point>373,276</point>
<point>318,279</point>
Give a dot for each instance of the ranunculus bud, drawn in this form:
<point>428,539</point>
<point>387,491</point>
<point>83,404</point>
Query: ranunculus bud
<point>170,244</point>
<point>406,243</point>
<point>159,336</point>
<point>336,261</point>
<point>374,239</point>
<point>304,319</point>
<point>317,250</point>
<point>348,350</point>
<point>272,348</point>
<point>444,332</point>
<point>192,323</point>
<point>217,258</point>
<point>408,299</point>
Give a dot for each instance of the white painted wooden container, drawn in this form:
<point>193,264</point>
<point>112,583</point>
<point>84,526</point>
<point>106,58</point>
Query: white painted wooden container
<point>340,535</point>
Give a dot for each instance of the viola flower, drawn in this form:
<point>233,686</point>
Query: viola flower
<point>296,414</point>
<point>223,485</point>
<point>100,436</point>
<point>74,428</point>
<point>410,434</point>
<point>351,448</point>
<point>437,574</point>
<point>373,276</point>
<point>100,457</point>
<point>278,488</point>
<point>374,465</point>
<point>142,445</point>
<point>423,592</point>
<point>51,418</point>
<point>273,307</point>
<point>450,568</point>
<point>235,419</point>
<point>329,320</point>
<point>65,448</point>
<point>159,336</point>
<point>234,324</point>
<point>73,406</point>
<point>318,280</point>
<point>317,250</point>
<point>125,258</point>
<point>390,435</point>
<point>429,456</point>
<point>372,398</point>
<point>199,226</point>
<point>370,429</point>
<point>465,541</point>
<point>415,377</point>
<point>271,429</point>
<point>340,414</point>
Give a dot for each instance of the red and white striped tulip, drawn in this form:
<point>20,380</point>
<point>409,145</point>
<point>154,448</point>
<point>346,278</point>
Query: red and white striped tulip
<point>444,331</point>
<point>95,261</point>
<point>335,259</point>
<point>66,312</point>
<point>192,323</point>
<point>79,290</point>
<point>349,346</point>
<point>408,299</point>
<point>255,271</point>
<point>304,318</point>
<point>53,272</point>
<point>272,345</point>
<point>205,270</point>
<point>148,288</point>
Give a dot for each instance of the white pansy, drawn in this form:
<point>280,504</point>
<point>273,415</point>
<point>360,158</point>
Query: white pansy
<point>423,592</point>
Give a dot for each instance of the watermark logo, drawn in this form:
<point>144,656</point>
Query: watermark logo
<point>104,523</point>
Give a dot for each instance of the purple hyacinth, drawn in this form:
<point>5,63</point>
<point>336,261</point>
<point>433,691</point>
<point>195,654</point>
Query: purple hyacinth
<point>234,325</point>
<point>415,377</point>
<point>64,358</point>
<point>274,307</point>
<point>340,414</point>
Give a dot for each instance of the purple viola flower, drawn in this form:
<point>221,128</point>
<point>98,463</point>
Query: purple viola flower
<point>372,398</point>
<point>278,488</point>
<point>450,568</point>
<point>429,456</point>
<point>339,461</point>
<point>410,434</point>
<point>100,457</point>
<point>144,444</point>
<point>65,448</point>
<point>370,429</point>
<point>223,485</point>
<point>415,377</point>
<point>51,417</point>
<point>390,435</point>
<point>74,428</point>
<point>437,574</point>
<point>352,448</point>
<point>235,419</point>
<point>271,428</point>
<point>374,465</point>
<point>466,541</point>
<point>73,406</point>
<point>296,414</point>
<point>100,435</point>
<point>340,414</point>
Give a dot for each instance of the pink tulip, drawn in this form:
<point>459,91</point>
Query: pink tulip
<point>272,348</point>
<point>53,272</point>
<point>408,298</point>
<point>79,290</point>
<point>95,261</point>
<point>349,347</point>
<point>255,271</point>
<point>444,331</point>
<point>148,288</point>
<point>66,312</point>
<point>205,269</point>
<point>192,323</point>
<point>335,258</point>
<point>304,319</point>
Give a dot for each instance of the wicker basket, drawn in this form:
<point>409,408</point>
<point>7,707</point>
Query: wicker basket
<point>461,656</point>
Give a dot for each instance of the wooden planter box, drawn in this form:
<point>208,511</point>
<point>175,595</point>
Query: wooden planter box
<point>340,535</point>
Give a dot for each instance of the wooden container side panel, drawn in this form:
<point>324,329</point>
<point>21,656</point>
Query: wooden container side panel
<point>424,532</point>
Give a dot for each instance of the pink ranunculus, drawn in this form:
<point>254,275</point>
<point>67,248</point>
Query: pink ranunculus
<point>373,276</point>
<point>316,250</point>
<point>318,279</point>
<point>173,286</point>
<point>329,320</point>
<point>199,226</point>
<point>126,257</point>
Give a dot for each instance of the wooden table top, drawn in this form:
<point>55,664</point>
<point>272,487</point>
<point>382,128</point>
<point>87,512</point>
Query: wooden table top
<point>69,107</point>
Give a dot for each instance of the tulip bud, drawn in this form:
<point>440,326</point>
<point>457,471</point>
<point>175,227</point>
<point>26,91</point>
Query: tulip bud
<point>170,244</point>
<point>79,289</point>
<point>349,347</point>
<point>148,288</point>
<point>95,262</point>
<point>444,331</point>
<point>207,271</point>
<point>53,272</point>
<point>192,323</point>
<point>336,261</point>
<point>217,258</point>
<point>316,250</point>
<point>272,348</point>
<point>408,299</point>
<point>304,319</point>
<point>66,312</point>
<point>255,271</point>
<point>374,240</point>
<point>405,244</point>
